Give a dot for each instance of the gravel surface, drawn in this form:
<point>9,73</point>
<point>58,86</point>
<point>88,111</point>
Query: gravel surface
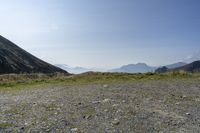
<point>146,106</point>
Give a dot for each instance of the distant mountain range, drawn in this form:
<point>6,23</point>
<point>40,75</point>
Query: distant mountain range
<point>13,59</point>
<point>74,70</point>
<point>78,70</point>
<point>130,68</point>
<point>135,68</point>
<point>143,68</point>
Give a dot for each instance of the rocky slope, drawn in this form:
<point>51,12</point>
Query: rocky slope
<point>13,59</point>
<point>192,67</point>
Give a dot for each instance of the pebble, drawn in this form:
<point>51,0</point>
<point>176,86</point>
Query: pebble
<point>105,110</point>
<point>106,100</point>
<point>115,105</point>
<point>74,129</point>
<point>87,117</point>
<point>184,96</point>
<point>118,111</point>
<point>105,86</point>
<point>115,122</point>
<point>197,100</point>
<point>187,113</point>
<point>177,103</point>
<point>96,102</point>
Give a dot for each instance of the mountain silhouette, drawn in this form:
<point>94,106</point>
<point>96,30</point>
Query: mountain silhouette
<point>14,59</point>
<point>192,67</point>
<point>135,68</point>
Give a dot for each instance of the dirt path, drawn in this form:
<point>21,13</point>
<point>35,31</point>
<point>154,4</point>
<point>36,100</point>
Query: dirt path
<point>151,106</point>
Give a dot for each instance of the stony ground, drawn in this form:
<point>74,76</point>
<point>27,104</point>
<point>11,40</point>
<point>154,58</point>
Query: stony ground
<point>162,106</point>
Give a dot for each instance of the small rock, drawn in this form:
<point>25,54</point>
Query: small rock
<point>106,117</point>
<point>106,100</point>
<point>123,101</point>
<point>177,103</point>
<point>187,113</point>
<point>115,122</point>
<point>59,109</point>
<point>197,100</point>
<point>95,102</point>
<point>105,86</point>
<point>87,117</point>
<point>113,100</point>
<point>105,110</point>
<point>184,96</point>
<point>118,111</point>
<point>74,130</point>
<point>115,105</point>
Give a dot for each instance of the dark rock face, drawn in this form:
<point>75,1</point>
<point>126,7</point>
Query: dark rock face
<point>192,67</point>
<point>13,59</point>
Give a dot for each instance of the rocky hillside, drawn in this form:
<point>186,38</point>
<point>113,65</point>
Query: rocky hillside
<point>192,67</point>
<point>13,59</point>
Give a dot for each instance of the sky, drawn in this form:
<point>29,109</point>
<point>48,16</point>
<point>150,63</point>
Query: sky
<point>104,33</point>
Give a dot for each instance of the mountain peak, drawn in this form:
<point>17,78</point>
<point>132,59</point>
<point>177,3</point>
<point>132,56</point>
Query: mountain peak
<point>135,68</point>
<point>14,59</point>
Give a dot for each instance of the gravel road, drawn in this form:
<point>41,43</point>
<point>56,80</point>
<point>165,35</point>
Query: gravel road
<point>171,106</point>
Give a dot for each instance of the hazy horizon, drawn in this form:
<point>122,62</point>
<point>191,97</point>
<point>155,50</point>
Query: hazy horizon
<point>104,34</point>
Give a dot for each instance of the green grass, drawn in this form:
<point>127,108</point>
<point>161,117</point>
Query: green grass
<point>5,125</point>
<point>19,81</point>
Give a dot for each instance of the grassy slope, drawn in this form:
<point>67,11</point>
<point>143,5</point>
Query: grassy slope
<point>15,82</point>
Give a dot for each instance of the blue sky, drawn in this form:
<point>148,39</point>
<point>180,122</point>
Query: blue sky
<point>104,33</point>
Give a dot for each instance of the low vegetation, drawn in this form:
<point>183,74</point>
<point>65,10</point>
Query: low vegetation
<point>16,81</point>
